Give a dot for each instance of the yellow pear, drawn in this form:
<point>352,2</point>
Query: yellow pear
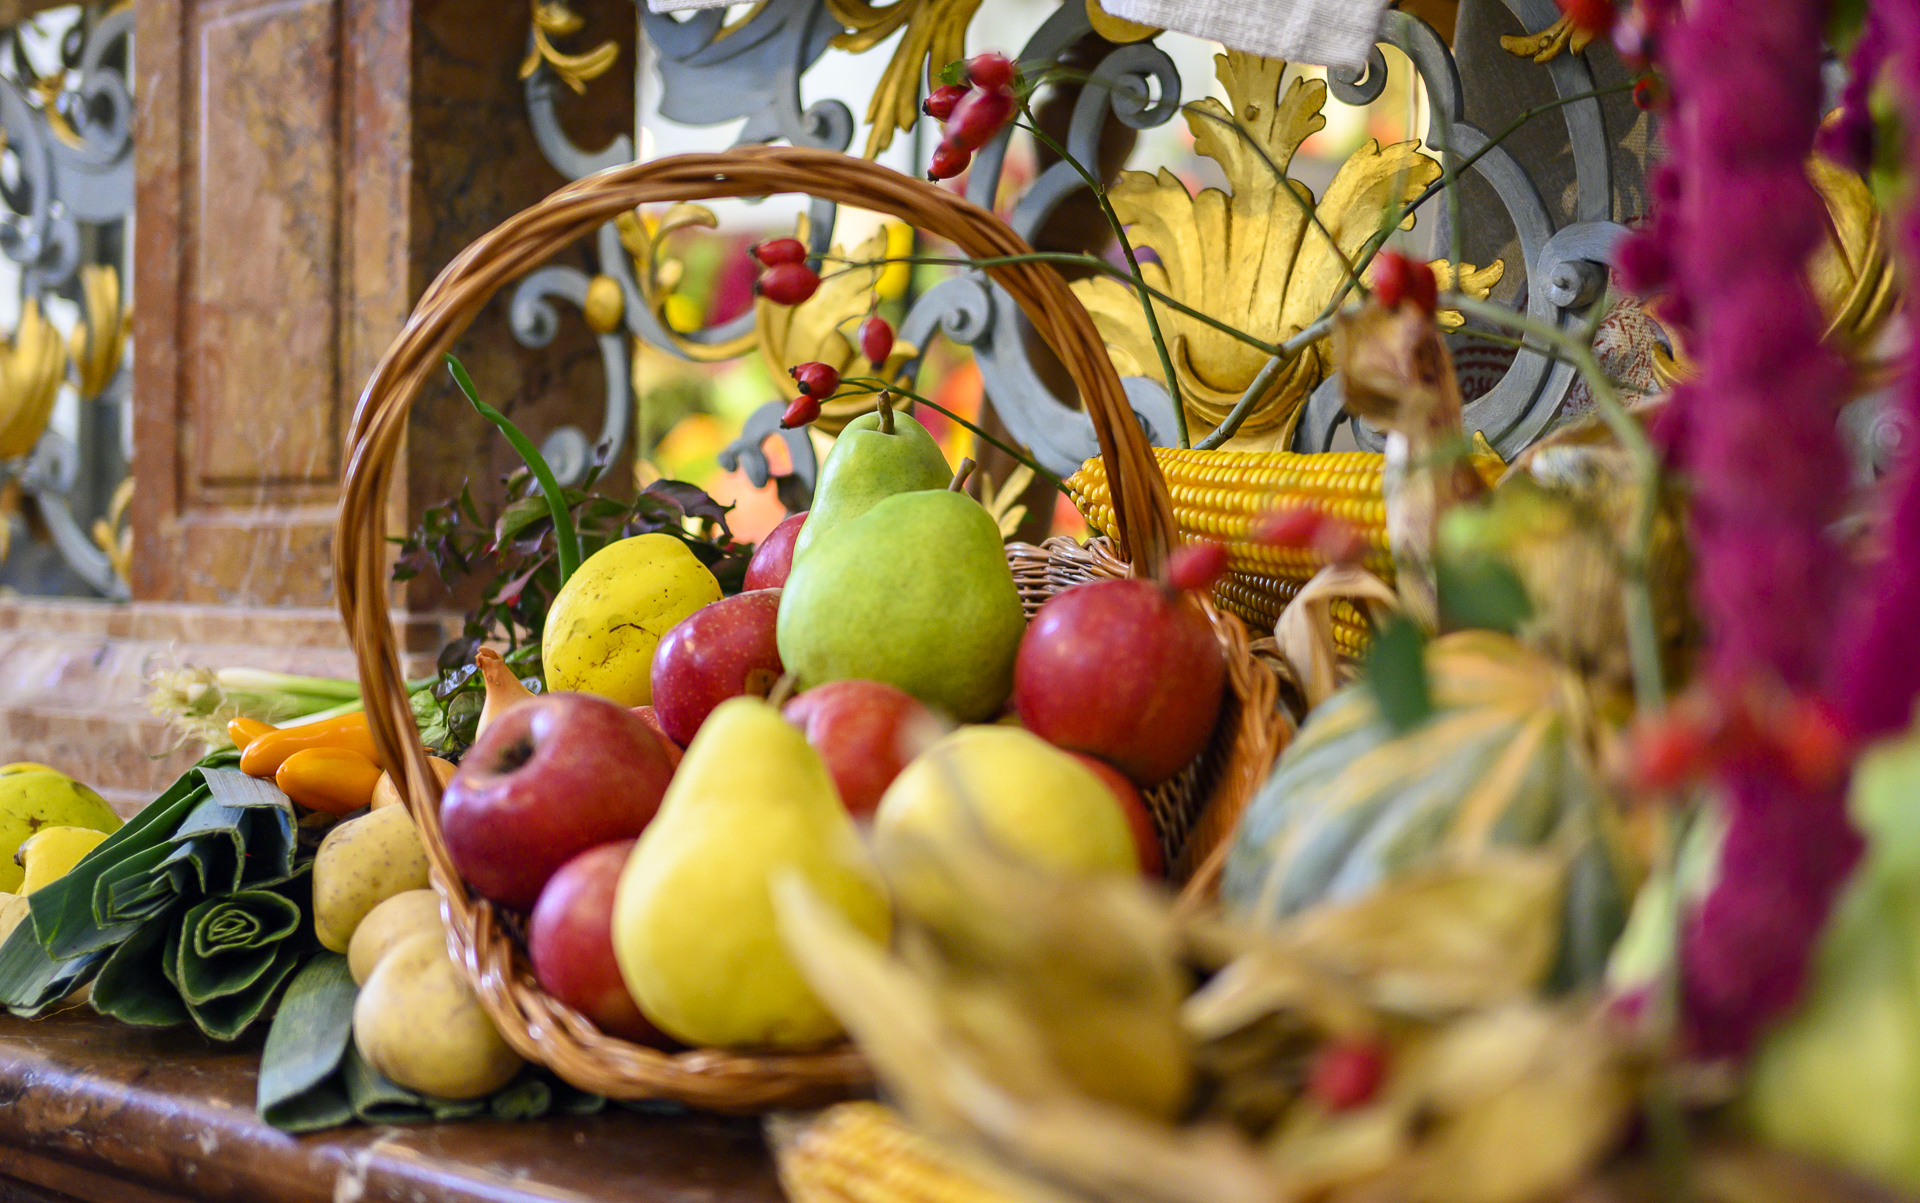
<point>34,799</point>
<point>51,852</point>
<point>609,617</point>
<point>693,917</point>
<point>1026,795</point>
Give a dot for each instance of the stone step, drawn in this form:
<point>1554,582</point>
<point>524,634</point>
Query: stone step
<point>75,678</point>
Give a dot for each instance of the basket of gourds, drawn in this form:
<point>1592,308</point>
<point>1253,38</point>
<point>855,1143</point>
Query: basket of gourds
<point>1191,812</point>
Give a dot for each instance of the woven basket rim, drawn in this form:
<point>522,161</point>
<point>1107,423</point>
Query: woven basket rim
<point>537,1027</point>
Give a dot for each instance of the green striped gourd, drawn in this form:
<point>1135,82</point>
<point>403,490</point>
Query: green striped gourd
<point>1507,758</point>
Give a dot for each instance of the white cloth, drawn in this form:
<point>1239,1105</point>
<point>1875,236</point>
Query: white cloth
<point>675,6</point>
<point>1323,33</point>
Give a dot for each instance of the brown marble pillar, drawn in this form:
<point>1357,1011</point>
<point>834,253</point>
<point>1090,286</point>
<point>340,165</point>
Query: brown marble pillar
<point>304,169</point>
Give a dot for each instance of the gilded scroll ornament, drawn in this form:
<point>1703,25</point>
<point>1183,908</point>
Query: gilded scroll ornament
<point>1254,259</point>
<point>1550,43</point>
<point>553,19</point>
<point>818,330</point>
<point>97,343</point>
<point>33,365</point>
<point>113,535</point>
<point>936,34</point>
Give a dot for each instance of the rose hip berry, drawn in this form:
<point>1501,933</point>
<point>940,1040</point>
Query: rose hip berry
<point>939,104</point>
<point>777,251</point>
<point>876,340</point>
<point>816,380</point>
<point>979,117</point>
<point>990,71</point>
<point>949,160</point>
<point>802,412</point>
<point>1398,278</point>
<point>789,283</point>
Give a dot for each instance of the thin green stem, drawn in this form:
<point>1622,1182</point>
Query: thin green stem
<point>1074,258</point>
<point>872,384</point>
<point>1230,425</point>
<point>1099,191</point>
<point>566,540</point>
<point>1643,637</point>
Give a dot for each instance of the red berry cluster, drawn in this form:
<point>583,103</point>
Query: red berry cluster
<point>817,382</point>
<point>1397,278</point>
<point>971,115</point>
<point>786,280</point>
<point>1801,735</point>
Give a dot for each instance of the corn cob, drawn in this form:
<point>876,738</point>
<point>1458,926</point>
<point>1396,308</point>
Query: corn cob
<point>866,1153</point>
<point>1223,495</point>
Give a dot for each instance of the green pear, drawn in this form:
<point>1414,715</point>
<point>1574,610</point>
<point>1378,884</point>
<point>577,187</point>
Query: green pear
<point>867,464</point>
<point>694,931</point>
<point>915,592</point>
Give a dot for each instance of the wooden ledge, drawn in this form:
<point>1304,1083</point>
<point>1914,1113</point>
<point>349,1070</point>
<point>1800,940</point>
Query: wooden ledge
<point>95,1111</point>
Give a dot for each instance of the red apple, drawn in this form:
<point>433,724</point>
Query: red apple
<point>773,559</point>
<point>570,941</point>
<point>719,651</point>
<point>1123,670</point>
<point>866,731</point>
<point>1146,839</point>
<point>652,719</point>
<point>552,777</point>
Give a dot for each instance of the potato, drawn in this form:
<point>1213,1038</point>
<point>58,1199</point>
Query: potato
<point>387,793</point>
<point>405,914</point>
<point>362,863</point>
<point>418,1022</point>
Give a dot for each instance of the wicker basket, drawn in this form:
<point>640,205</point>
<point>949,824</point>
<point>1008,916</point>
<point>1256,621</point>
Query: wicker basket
<point>1194,811</point>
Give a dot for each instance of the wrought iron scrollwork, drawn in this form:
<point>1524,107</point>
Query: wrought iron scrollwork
<point>63,221</point>
<point>713,71</point>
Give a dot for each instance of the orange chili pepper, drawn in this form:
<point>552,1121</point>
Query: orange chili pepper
<point>266,753</point>
<point>243,731</point>
<point>333,780</point>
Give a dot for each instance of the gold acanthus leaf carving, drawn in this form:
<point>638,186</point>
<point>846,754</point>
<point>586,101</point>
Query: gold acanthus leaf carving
<point>113,535</point>
<point>553,19</point>
<point>1550,43</point>
<point>936,34</point>
<point>821,328</point>
<point>1253,259</point>
<point>97,343</point>
<point>33,365</point>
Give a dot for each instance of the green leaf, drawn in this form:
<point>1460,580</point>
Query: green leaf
<point>1482,593</point>
<point>1396,673</point>
<point>299,1088</point>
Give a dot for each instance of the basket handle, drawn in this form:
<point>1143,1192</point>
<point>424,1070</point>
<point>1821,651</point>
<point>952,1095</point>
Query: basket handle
<point>523,242</point>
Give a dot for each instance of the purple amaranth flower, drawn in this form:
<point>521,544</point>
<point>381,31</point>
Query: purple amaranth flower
<point>1848,139</point>
<point>1756,437</point>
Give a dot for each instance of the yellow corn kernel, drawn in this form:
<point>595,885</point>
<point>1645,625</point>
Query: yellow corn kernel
<point>866,1153</point>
